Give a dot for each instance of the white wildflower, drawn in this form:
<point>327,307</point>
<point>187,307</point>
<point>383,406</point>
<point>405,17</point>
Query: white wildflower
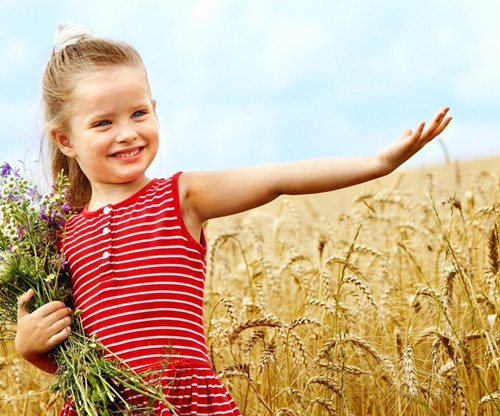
<point>49,278</point>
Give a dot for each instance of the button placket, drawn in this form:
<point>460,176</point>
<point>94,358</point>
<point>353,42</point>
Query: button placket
<point>106,230</point>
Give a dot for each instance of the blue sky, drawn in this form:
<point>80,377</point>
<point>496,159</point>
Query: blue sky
<point>247,82</point>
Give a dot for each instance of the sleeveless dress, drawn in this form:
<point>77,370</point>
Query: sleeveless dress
<point>138,275</point>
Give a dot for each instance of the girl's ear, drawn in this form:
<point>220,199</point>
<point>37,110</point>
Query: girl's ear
<point>63,143</point>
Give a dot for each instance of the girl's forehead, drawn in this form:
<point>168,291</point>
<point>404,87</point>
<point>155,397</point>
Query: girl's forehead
<point>111,80</point>
<point>112,74</point>
<point>109,87</point>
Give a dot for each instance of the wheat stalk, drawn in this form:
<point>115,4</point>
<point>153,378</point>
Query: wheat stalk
<point>328,382</point>
<point>363,288</point>
<point>327,404</point>
<point>422,291</point>
<point>444,340</point>
<point>303,321</point>
<point>345,369</point>
<point>492,397</point>
<point>256,337</point>
<point>294,340</point>
<point>408,373</point>
<point>447,298</point>
<point>286,412</point>
<point>269,321</point>
<point>266,358</point>
<point>241,370</point>
<point>493,253</point>
<point>228,305</point>
<point>354,340</point>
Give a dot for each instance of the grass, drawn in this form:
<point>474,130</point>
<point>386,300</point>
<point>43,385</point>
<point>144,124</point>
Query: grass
<point>386,306</point>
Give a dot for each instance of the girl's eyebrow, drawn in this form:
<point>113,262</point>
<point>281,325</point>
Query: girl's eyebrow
<point>99,115</point>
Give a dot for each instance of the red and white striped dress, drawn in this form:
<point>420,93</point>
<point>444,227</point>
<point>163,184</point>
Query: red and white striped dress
<point>138,276</point>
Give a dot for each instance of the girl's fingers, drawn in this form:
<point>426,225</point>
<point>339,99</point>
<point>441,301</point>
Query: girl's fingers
<point>21,301</point>
<point>418,132</point>
<point>50,308</point>
<point>25,297</point>
<point>61,324</point>
<point>405,134</point>
<point>438,124</point>
<point>60,315</point>
<point>60,336</point>
<point>443,125</point>
<point>437,129</point>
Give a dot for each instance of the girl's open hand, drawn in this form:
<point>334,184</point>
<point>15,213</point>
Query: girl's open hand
<point>41,330</point>
<point>410,142</point>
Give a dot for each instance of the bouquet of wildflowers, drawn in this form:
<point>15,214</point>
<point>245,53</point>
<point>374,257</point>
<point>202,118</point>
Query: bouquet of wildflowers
<point>31,230</point>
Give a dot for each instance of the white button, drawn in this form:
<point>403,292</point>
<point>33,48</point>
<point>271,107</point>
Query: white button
<point>105,255</point>
<point>105,230</point>
<point>106,210</point>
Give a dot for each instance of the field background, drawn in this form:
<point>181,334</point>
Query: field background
<point>381,299</point>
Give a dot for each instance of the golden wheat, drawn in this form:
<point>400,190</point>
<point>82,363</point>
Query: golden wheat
<point>389,307</point>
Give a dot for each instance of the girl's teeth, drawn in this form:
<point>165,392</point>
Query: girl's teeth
<point>129,154</point>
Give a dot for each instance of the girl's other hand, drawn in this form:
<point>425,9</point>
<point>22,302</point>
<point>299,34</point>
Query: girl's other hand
<point>41,330</point>
<point>410,142</point>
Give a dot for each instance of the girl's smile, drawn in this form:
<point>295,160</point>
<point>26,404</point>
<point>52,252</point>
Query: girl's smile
<point>128,155</point>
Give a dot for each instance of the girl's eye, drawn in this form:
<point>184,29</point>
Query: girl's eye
<point>138,114</point>
<point>102,123</point>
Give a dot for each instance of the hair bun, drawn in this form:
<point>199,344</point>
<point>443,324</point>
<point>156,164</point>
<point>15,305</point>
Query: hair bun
<point>68,33</point>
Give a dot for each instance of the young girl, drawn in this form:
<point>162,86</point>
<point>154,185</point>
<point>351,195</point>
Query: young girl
<point>136,247</point>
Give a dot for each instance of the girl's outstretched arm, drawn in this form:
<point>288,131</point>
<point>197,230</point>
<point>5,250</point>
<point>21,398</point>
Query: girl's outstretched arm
<point>206,195</point>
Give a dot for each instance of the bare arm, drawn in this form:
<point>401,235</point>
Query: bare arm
<point>206,195</point>
<point>40,331</point>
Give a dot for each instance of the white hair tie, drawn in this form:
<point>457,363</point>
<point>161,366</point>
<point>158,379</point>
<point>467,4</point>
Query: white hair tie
<point>68,33</point>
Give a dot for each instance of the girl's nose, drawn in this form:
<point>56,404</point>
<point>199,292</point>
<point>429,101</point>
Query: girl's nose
<point>126,133</point>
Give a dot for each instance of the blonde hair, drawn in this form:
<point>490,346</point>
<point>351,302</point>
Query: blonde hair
<point>65,70</point>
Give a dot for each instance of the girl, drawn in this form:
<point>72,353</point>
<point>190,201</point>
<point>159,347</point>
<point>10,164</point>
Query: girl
<point>136,247</point>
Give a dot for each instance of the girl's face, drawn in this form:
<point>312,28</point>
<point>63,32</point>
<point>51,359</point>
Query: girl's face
<point>113,132</point>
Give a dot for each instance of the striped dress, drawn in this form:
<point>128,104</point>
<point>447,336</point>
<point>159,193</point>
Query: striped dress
<point>138,275</point>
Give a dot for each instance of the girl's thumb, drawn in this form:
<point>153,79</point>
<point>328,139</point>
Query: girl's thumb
<point>21,301</point>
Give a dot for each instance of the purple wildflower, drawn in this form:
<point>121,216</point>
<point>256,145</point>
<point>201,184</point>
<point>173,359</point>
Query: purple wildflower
<point>12,197</point>
<point>21,231</point>
<point>34,193</point>
<point>64,263</point>
<point>5,169</point>
<point>66,207</point>
<point>43,213</point>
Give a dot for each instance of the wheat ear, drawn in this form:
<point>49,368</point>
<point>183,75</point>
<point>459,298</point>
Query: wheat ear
<point>408,373</point>
<point>268,321</point>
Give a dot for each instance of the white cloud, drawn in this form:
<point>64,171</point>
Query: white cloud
<point>194,138</point>
<point>468,139</point>
<point>15,53</point>
<point>469,38</point>
<point>105,17</point>
<point>235,79</point>
<point>20,136</point>
<point>480,81</point>
<point>289,50</point>
<point>205,10</point>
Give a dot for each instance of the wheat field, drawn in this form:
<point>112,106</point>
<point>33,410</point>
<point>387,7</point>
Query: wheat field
<point>377,300</point>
